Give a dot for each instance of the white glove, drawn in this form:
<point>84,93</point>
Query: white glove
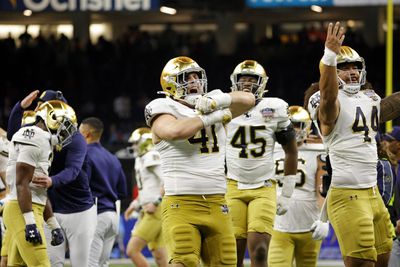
<point>223,116</point>
<point>206,104</point>
<point>282,205</point>
<point>320,230</point>
<point>288,185</point>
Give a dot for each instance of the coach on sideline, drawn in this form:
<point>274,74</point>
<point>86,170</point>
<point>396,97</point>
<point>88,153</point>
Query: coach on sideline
<point>108,184</point>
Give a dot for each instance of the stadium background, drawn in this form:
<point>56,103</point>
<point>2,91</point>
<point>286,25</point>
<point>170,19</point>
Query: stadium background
<point>106,56</point>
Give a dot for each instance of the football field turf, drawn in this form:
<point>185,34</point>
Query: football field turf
<point>125,263</point>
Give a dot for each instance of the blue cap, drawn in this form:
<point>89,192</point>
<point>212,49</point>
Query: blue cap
<point>393,135</point>
<point>52,95</point>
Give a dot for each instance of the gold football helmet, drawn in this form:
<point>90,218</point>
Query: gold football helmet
<point>141,140</point>
<point>29,117</point>
<point>250,68</point>
<point>301,121</point>
<point>349,55</point>
<point>174,78</point>
<point>60,120</point>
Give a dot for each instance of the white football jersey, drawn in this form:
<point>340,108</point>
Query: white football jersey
<point>251,140</point>
<point>351,144</point>
<point>148,182</point>
<point>4,143</point>
<point>194,166</point>
<point>307,167</point>
<point>30,145</point>
<point>303,208</point>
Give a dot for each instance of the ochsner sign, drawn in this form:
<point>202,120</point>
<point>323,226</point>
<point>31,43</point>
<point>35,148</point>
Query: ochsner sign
<point>87,5</point>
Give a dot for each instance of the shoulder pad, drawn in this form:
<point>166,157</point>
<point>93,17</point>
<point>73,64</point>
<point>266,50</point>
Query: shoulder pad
<point>274,105</point>
<point>313,104</point>
<point>151,158</point>
<point>156,107</point>
<point>32,135</point>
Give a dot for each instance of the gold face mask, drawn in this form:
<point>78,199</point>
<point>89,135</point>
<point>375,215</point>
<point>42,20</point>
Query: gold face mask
<point>174,78</point>
<point>250,68</point>
<point>60,120</point>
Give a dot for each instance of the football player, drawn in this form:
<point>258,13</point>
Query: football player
<point>149,179</point>
<point>188,132</point>
<point>348,119</point>
<point>28,119</point>
<point>69,190</point>
<point>30,153</point>
<point>293,239</point>
<point>251,194</point>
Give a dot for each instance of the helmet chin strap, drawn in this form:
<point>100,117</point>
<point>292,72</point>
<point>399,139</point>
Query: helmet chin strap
<point>352,88</point>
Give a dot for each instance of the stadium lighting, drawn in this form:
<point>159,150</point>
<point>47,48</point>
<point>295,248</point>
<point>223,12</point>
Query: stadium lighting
<point>27,12</point>
<point>351,23</point>
<point>168,10</point>
<point>316,8</point>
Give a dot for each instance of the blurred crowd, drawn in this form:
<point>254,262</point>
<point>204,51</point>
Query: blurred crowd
<point>114,80</point>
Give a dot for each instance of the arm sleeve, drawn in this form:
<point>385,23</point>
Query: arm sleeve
<point>14,121</point>
<point>121,186</point>
<point>76,153</point>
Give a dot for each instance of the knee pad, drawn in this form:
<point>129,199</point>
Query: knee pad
<point>182,236</point>
<point>228,251</point>
<point>184,246</point>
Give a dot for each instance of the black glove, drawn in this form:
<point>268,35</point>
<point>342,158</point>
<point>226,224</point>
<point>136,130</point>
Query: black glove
<point>57,237</point>
<point>32,234</point>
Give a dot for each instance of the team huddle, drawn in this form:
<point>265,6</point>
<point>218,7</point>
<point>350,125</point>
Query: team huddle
<point>221,173</point>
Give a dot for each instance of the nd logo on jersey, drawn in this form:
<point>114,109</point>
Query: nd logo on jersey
<point>28,133</point>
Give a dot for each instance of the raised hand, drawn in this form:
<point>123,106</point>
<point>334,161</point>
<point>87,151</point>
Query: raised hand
<point>334,37</point>
<point>27,101</point>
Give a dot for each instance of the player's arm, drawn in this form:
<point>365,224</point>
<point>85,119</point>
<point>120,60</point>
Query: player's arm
<point>318,179</point>
<point>390,107</point>
<point>24,174</point>
<point>76,153</point>
<point>241,102</point>
<point>14,120</point>
<point>328,83</point>
<point>287,138</point>
<point>238,102</point>
<point>122,189</point>
<point>167,127</point>
<point>290,163</point>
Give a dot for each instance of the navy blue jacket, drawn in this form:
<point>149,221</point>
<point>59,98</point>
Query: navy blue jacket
<point>70,191</point>
<point>107,178</point>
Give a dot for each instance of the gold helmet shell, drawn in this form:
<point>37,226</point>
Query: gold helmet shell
<point>29,117</point>
<point>349,55</point>
<point>173,77</point>
<point>141,140</point>
<point>250,68</point>
<point>60,119</point>
<point>301,121</point>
